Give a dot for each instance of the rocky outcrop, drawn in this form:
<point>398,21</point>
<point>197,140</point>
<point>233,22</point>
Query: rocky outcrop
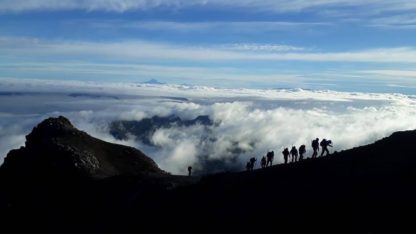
<point>56,147</point>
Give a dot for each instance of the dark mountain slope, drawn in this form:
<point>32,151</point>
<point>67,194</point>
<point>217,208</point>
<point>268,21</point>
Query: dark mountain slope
<point>368,189</point>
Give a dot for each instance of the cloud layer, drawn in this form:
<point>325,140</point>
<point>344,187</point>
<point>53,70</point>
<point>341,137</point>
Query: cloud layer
<point>254,120</point>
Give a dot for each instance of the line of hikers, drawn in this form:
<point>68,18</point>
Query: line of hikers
<point>291,155</point>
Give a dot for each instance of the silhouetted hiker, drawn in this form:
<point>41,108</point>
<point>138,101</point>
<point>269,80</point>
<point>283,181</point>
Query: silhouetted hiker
<point>252,162</point>
<point>324,144</point>
<point>285,153</point>
<point>263,161</point>
<point>294,153</point>
<point>248,166</point>
<point>302,150</point>
<point>315,147</point>
<point>189,171</point>
<point>270,156</point>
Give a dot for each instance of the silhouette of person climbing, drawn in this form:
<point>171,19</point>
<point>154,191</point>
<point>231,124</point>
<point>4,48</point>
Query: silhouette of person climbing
<point>302,150</point>
<point>189,171</point>
<point>294,153</point>
<point>263,161</point>
<point>270,156</point>
<point>285,153</point>
<point>252,162</point>
<point>248,166</point>
<point>324,145</point>
<point>315,147</point>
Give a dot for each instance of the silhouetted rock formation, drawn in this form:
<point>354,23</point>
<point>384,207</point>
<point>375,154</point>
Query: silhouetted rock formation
<point>56,148</point>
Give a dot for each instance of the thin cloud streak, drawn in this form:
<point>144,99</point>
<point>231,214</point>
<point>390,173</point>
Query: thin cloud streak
<point>129,50</point>
<point>235,26</point>
<point>404,21</point>
<point>260,5</point>
<point>393,73</point>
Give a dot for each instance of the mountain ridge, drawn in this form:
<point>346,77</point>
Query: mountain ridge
<point>367,189</point>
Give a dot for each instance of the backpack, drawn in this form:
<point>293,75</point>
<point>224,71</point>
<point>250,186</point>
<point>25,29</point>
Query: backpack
<point>302,149</point>
<point>315,143</point>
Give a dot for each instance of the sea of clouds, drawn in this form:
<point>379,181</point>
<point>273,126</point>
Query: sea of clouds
<point>254,120</point>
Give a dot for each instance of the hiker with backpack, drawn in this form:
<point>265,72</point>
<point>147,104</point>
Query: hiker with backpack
<point>302,150</point>
<point>252,162</point>
<point>189,171</point>
<point>285,153</point>
<point>248,166</point>
<point>315,147</point>
<point>324,145</point>
<point>294,153</point>
<point>270,156</point>
<point>263,161</point>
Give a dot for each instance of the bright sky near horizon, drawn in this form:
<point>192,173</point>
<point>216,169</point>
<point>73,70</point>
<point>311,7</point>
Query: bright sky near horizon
<point>352,45</point>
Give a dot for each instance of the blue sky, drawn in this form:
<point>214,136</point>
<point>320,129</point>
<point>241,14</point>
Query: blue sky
<point>327,44</point>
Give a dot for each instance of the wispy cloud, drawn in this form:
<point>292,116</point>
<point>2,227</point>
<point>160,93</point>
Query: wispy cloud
<point>131,50</point>
<point>268,48</point>
<point>393,73</point>
<point>178,26</point>
<point>405,21</point>
<point>264,5</point>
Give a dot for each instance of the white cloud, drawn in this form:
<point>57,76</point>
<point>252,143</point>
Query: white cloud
<point>393,73</point>
<point>229,26</point>
<point>254,120</point>
<point>403,21</point>
<point>13,141</point>
<point>194,92</point>
<point>140,50</point>
<point>263,47</point>
<point>12,130</point>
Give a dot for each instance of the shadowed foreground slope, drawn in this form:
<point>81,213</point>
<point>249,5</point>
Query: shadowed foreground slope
<point>369,189</point>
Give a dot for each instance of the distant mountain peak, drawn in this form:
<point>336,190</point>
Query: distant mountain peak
<point>153,81</point>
